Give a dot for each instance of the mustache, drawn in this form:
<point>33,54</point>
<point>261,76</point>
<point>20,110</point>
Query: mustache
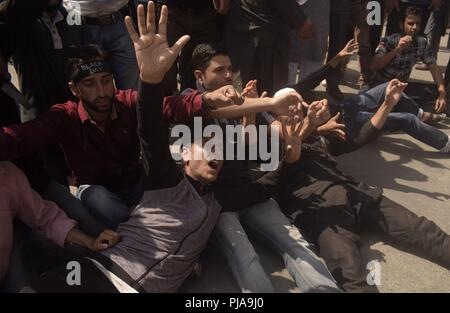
<point>101,99</point>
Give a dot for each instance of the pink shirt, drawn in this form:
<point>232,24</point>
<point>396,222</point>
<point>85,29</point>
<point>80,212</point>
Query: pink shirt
<point>19,200</point>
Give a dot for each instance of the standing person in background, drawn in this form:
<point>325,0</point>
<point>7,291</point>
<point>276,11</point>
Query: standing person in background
<point>198,19</point>
<point>310,53</point>
<point>105,21</point>
<point>257,37</point>
<point>345,16</point>
<point>435,29</point>
<point>40,40</point>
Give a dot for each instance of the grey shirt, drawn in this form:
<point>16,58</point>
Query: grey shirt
<point>165,234</point>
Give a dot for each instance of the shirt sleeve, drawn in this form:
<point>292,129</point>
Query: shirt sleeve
<point>23,139</point>
<point>40,215</point>
<point>427,55</point>
<point>160,169</point>
<point>367,134</point>
<point>183,108</point>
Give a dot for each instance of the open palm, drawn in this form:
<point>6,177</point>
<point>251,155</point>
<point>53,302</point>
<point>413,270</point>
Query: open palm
<point>153,54</point>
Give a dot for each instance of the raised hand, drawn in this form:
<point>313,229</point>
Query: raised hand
<point>291,134</point>
<point>250,90</point>
<point>394,92</point>
<point>404,42</point>
<point>287,102</point>
<point>223,97</point>
<point>350,49</point>
<point>318,112</point>
<point>154,56</point>
<point>333,127</point>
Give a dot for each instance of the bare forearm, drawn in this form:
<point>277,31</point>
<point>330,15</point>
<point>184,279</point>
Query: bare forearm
<point>307,129</point>
<point>76,236</point>
<point>335,61</point>
<point>379,62</point>
<point>379,118</point>
<point>250,106</point>
<point>438,79</point>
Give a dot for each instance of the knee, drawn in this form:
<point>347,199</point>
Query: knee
<point>105,204</point>
<point>411,121</point>
<point>95,193</point>
<point>339,252</point>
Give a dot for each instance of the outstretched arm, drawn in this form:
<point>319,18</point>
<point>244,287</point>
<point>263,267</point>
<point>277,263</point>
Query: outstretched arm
<point>313,80</point>
<point>154,58</point>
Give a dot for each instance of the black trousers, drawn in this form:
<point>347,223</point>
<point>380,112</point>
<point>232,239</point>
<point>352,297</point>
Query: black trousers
<point>202,26</point>
<point>92,280</point>
<point>336,225</point>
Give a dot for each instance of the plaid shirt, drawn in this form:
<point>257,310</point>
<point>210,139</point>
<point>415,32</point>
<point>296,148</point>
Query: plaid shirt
<point>402,64</point>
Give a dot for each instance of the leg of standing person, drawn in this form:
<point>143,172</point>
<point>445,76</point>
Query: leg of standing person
<point>362,37</point>
<point>313,51</point>
<point>340,20</point>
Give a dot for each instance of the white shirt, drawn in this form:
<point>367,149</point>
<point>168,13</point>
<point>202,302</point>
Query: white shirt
<point>94,8</point>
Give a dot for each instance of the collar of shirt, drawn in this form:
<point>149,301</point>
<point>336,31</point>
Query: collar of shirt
<point>199,187</point>
<point>51,25</point>
<point>85,116</point>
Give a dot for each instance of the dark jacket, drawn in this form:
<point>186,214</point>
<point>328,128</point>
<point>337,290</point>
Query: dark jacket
<point>41,69</point>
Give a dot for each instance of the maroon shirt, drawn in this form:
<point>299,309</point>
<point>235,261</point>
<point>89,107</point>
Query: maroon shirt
<point>110,158</point>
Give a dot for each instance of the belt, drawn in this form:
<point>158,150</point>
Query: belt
<point>108,19</point>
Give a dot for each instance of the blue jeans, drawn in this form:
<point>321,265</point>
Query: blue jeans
<point>268,225</point>
<point>359,109</point>
<point>108,207</point>
<point>116,41</point>
<point>74,208</point>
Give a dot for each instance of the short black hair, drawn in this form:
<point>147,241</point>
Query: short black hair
<point>203,53</point>
<point>85,54</point>
<point>415,11</point>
